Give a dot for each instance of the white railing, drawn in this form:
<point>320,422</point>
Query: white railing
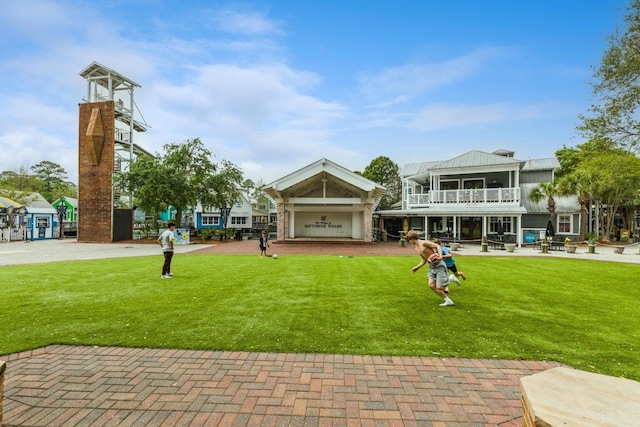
<point>475,196</point>
<point>122,135</point>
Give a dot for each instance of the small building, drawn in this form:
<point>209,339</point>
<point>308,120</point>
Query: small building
<point>239,217</point>
<point>324,201</point>
<point>70,221</point>
<point>42,220</point>
<point>12,220</point>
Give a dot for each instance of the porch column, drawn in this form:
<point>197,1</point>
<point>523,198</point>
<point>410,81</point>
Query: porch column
<point>485,225</point>
<point>291,215</point>
<point>455,226</point>
<point>281,214</point>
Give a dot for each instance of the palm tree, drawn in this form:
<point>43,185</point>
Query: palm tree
<point>547,190</point>
<point>579,184</point>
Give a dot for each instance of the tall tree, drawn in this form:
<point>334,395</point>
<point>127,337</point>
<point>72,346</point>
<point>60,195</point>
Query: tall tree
<point>617,85</point>
<point>614,180</point>
<point>182,177</point>
<point>579,184</point>
<point>52,175</point>
<point>385,172</point>
<point>612,125</point>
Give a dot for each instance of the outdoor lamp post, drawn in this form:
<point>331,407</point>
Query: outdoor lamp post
<point>224,214</point>
<point>62,213</point>
<point>9,221</point>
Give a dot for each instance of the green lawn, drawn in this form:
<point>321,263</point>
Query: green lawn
<point>582,313</point>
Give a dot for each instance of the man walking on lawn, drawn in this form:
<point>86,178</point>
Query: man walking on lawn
<point>166,241</point>
<point>431,253</point>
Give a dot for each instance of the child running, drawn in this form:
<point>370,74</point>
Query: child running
<point>430,252</point>
<point>450,262</point>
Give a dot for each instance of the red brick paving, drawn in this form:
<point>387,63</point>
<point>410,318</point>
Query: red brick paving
<point>97,386</point>
<point>110,386</point>
<point>307,248</point>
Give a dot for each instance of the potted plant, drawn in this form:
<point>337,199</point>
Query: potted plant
<point>569,247</point>
<point>544,246</point>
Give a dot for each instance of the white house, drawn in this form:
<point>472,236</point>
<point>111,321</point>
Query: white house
<point>478,194</point>
<point>324,201</point>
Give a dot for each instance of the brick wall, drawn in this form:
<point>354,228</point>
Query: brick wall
<point>95,167</point>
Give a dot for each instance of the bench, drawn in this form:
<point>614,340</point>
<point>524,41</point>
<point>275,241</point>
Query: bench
<point>571,397</point>
<point>496,244</point>
<point>553,245</point>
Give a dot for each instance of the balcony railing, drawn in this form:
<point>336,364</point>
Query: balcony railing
<point>476,196</point>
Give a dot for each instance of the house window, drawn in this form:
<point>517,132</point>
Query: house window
<point>506,224</point>
<point>505,221</point>
<point>564,223</point>
<point>210,220</point>
<point>239,203</point>
<point>42,222</point>
<point>473,184</point>
<point>238,220</point>
<point>449,185</point>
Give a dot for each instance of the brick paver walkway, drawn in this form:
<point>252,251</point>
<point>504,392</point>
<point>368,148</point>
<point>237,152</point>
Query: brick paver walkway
<point>92,386</point>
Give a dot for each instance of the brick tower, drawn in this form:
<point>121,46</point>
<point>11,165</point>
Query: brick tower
<point>105,142</point>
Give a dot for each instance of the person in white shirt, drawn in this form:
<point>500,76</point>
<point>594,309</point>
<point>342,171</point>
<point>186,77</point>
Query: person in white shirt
<point>166,241</point>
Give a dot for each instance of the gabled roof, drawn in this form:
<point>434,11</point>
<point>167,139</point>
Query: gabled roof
<point>324,166</point>
<point>39,205</point>
<point>70,200</point>
<point>470,160</point>
<point>477,159</point>
<point>5,202</point>
<point>101,74</point>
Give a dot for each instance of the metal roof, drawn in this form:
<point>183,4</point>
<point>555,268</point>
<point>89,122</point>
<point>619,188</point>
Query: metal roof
<point>477,159</point>
<point>411,169</point>
<point>472,159</point>
<point>100,74</point>
<point>541,164</point>
<point>5,202</point>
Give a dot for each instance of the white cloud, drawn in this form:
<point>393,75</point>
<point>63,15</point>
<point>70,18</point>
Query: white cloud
<point>246,23</point>
<point>399,84</point>
<point>439,116</point>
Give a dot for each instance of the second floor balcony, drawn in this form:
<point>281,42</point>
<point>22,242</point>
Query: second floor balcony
<point>484,196</point>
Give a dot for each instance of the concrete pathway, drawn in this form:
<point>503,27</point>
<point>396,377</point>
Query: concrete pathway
<point>69,249</point>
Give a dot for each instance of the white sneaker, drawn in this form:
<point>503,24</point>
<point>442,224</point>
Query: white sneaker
<point>454,279</point>
<point>165,276</point>
<point>171,275</point>
<point>446,303</point>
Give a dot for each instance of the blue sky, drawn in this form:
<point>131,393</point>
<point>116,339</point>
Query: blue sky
<point>273,86</point>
